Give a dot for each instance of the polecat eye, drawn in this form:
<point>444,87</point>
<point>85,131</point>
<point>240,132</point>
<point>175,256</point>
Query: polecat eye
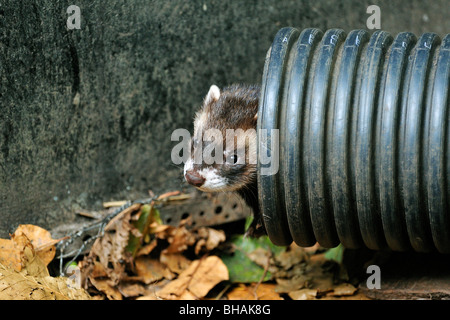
<point>232,159</point>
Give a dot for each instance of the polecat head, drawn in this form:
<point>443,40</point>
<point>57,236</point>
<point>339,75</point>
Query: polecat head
<point>223,148</point>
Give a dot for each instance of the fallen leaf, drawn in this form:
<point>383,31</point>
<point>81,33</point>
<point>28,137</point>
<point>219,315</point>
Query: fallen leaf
<point>11,250</point>
<point>261,257</point>
<point>322,282</point>
<point>335,254</point>
<point>196,281</point>
<point>208,239</point>
<point>290,257</point>
<point>131,289</point>
<point>178,238</point>
<point>146,249</point>
<point>303,294</point>
<point>148,219</point>
<point>105,264</point>
<point>151,291</point>
<point>264,291</point>
<point>33,281</point>
<point>240,265</point>
<point>356,296</point>
<point>161,228</point>
<point>98,270</point>
<point>292,284</point>
<point>19,286</point>
<point>344,289</point>
<point>151,270</point>
<point>313,249</point>
<point>41,240</point>
<point>11,253</point>
<point>105,286</point>
<point>176,262</point>
<point>149,297</point>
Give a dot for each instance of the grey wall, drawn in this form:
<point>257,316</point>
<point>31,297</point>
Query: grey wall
<point>86,115</point>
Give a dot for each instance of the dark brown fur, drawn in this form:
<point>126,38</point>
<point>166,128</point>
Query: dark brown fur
<point>237,108</point>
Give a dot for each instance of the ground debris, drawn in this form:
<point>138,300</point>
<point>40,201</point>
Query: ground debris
<point>136,256</point>
<point>24,276</point>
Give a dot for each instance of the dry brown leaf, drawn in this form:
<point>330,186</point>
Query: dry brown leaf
<point>178,238</point>
<point>151,290</point>
<point>303,294</point>
<point>41,240</point>
<point>315,282</point>
<point>343,289</point>
<point>261,257</point>
<point>11,250</point>
<point>107,288</point>
<point>295,283</point>
<point>11,253</point>
<point>311,250</point>
<point>98,270</point>
<point>19,286</point>
<point>151,270</point>
<point>356,296</point>
<point>148,297</point>
<point>160,228</point>
<point>205,239</point>
<point>209,239</point>
<point>33,265</point>
<point>144,250</point>
<point>33,282</point>
<point>131,289</point>
<point>196,281</point>
<point>323,284</point>
<point>176,262</point>
<point>174,289</point>
<point>322,281</point>
<point>289,258</point>
<point>124,216</point>
<point>264,291</point>
<point>108,254</point>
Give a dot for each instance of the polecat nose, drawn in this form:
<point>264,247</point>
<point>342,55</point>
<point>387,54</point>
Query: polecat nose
<point>194,178</point>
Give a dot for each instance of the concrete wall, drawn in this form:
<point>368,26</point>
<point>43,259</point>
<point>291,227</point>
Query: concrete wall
<point>86,115</point>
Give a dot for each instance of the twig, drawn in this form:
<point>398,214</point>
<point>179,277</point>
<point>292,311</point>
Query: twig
<point>266,268</point>
<point>168,194</point>
<point>111,204</point>
<point>101,230</point>
<point>221,293</point>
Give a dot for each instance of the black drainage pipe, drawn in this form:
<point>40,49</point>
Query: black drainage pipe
<point>364,133</point>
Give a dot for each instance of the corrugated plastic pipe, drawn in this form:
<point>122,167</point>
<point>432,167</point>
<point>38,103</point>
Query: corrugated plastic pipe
<point>364,133</point>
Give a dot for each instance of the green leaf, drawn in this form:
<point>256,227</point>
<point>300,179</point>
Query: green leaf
<point>240,267</point>
<point>335,254</point>
<point>148,215</point>
<point>248,222</point>
<point>155,216</point>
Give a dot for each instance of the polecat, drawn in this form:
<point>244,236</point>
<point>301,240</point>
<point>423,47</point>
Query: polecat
<point>235,107</point>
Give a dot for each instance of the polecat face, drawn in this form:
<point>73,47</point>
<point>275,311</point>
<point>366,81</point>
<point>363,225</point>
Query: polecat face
<point>223,148</point>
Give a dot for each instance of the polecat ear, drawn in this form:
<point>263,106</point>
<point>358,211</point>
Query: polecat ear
<point>213,94</point>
